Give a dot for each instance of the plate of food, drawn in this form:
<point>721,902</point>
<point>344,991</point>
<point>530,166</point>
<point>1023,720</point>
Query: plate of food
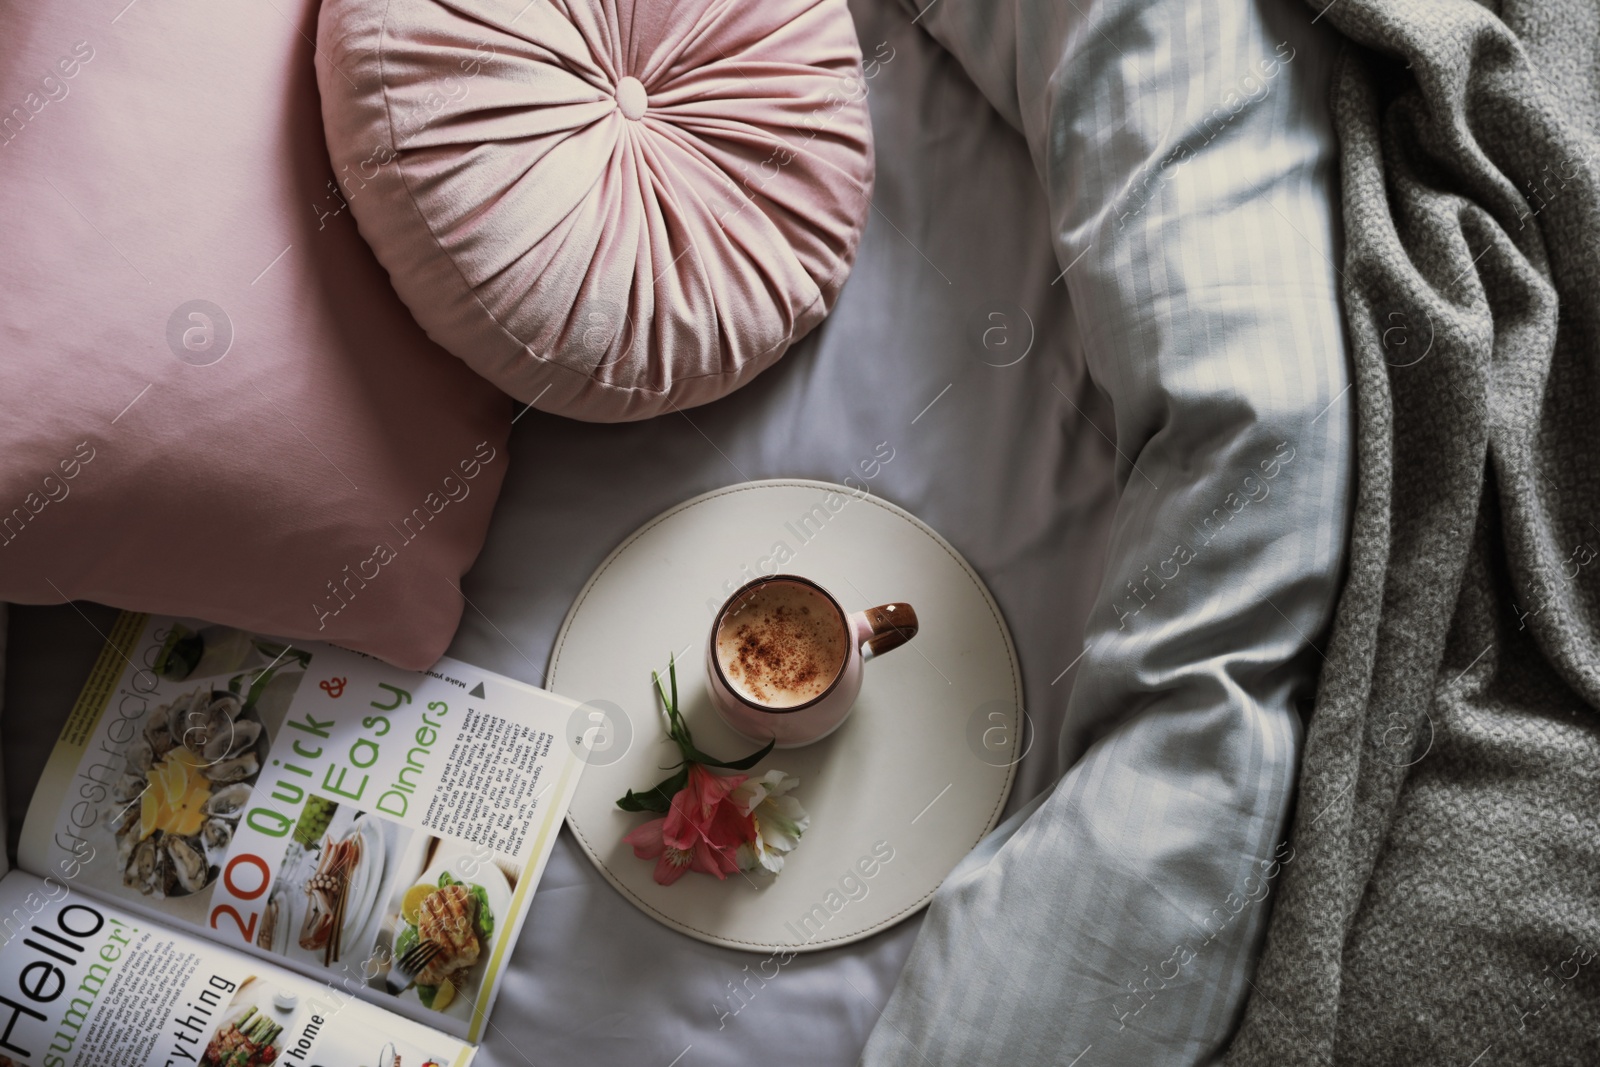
<point>364,910</point>
<point>278,919</point>
<point>343,890</point>
<point>186,780</point>
<point>462,915</point>
<point>252,1030</point>
<point>246,1041</point>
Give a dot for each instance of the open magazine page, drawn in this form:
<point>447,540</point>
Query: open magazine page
<point>312,804</point>
<point>85,984</point>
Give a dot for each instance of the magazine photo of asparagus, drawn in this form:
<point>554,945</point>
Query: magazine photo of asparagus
<point>249,1035</point>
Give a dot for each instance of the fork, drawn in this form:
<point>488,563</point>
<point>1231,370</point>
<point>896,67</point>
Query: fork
<point>403,975</point>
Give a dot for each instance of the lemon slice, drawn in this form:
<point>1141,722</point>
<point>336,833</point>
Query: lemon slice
<point>446,994</point>
<point>170,782</point>
<point>411,903</point>
<point>189,818</point>
<point>149,814</point>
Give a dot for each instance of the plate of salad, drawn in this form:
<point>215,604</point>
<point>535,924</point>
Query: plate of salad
<point>460,902</point>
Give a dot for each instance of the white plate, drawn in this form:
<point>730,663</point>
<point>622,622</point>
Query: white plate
<point>364,900</point>
<point>921,770</point>
<point>498,890</point>
<point>290,904</point>
<point>360,895</point>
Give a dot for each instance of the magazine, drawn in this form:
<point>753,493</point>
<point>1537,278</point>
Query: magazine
<point>88,983</point>
<point>244,852</point>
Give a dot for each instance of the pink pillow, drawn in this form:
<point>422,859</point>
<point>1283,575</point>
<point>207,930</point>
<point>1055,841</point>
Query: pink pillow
<point>610,211</point>
<point>211,403</point>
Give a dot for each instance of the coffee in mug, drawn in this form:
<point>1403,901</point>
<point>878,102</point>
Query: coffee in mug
<point>782,644</point>
<point>784,660</point>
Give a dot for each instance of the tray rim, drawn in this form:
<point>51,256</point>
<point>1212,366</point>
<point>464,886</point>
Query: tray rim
<point>993,820</point>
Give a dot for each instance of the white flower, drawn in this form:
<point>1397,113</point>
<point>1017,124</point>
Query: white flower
<point>779,819</point>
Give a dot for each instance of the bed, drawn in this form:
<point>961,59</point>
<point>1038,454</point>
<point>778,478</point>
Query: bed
<point>955,345</point>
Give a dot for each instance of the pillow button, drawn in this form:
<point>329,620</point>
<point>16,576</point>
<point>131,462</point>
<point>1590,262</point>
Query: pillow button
<point>631,98</point>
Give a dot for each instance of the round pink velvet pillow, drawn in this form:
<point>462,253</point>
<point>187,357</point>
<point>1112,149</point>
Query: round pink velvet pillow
<point>609,210</point>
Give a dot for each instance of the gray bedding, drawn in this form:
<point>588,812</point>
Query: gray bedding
<point>1443,904</point>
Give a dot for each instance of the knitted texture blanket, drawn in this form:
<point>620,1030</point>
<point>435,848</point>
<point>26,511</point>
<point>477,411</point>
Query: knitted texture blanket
<point>1439,900</point>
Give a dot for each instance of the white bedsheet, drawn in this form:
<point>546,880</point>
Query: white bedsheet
<point>1188,154</point>
<point>1007,462</point>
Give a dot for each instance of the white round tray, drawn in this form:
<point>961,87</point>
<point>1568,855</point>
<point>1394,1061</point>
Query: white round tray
<point>919,772</point>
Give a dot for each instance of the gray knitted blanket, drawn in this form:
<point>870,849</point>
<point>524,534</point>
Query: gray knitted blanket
<point>1441,901</point>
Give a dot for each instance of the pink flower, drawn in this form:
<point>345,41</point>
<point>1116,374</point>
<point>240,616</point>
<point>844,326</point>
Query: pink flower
<point>648,845</point>
<point>703,831</point>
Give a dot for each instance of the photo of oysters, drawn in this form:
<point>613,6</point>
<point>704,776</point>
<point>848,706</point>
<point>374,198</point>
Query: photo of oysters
<point>186,782</point>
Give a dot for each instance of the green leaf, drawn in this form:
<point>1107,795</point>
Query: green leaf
<point>484,917</point>
<point>732,765</point>
<point>426,993</point>
<point>405,940</point>
<point>674,721</point>
<point>275,651</point>
<point>646,801</point>
<point>180,653</point>
<point>257,686</point>
<point>445,879</point>
<point>658,798</point>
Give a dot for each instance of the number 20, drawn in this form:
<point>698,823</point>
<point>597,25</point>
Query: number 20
<point>247,929</point>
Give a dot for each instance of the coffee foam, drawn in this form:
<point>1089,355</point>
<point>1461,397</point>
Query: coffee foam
<point>782,644</point>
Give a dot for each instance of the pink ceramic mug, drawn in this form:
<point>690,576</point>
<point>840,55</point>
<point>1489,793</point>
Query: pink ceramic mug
<point>784,660</point>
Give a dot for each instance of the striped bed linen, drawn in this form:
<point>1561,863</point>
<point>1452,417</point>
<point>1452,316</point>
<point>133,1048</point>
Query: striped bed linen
<point>1188,159</point>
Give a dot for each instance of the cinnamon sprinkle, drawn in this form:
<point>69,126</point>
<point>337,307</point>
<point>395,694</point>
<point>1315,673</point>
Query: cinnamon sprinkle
<point>782,652</point>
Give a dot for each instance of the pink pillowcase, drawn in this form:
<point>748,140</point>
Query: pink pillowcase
<point>610,211</point>
<point>213,403</point>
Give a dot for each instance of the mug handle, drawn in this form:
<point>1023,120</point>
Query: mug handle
<point>884,628</point>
